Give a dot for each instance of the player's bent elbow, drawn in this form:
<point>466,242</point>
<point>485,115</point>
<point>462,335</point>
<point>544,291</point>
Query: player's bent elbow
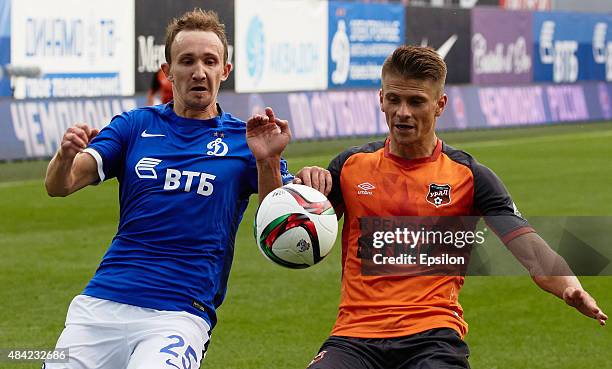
<point>56,191</point>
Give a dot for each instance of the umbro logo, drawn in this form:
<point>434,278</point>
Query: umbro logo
<point>145,168</point>
<point>365,188</point>
<point>144,134</point>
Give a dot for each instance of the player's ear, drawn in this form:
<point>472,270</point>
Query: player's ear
<point>441,104</point>
<point>165,67</point>
<point>226,71</point>
<point>380,98</point>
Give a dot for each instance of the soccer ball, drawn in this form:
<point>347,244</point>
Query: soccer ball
<point>295,226</point>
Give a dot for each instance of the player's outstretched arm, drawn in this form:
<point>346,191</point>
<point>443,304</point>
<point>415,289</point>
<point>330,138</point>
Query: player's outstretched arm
<point>551,273</point>
<point>267,137</point>
<point>71,169</point>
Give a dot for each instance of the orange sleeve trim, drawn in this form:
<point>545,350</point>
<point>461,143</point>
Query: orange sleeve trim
<point>517,232</point>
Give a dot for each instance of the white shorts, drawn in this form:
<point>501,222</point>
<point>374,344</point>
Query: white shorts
<point>104,334</point>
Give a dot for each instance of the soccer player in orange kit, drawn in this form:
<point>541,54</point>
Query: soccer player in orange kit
<point>417,322</point>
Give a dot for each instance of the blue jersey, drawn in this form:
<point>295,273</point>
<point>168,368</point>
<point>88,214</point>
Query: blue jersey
<point>183,187</point>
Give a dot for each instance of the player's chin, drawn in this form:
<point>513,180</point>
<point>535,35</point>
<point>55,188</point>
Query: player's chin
<point>199,101</point>
<point>197,95</point>
<point>405,136</point>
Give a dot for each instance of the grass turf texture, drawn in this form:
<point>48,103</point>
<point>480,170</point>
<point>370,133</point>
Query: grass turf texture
<point>277,318</point>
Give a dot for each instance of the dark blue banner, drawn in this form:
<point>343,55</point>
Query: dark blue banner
<point>361,36</point>
<point>562,47</point>
<point>600,57</point>
<point>330,114</point>
<point>34,128</point>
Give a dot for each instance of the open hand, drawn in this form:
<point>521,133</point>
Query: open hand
<point>584,303</point>
<point>267,136</point>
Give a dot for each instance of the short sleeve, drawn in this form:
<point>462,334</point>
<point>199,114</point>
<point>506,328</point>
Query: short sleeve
<point>335,195</point>
<point>286,176</point>
<point>492,200</point>
<point>335,168</point>
<point>109,147</point>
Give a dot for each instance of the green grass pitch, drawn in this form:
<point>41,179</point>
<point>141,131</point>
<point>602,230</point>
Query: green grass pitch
<point>277,318</point>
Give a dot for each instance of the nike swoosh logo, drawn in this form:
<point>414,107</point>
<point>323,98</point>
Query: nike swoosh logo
<point>145,134</point>
<point>446,46</point>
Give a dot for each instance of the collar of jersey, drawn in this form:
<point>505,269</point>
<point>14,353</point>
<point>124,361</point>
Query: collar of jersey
<point>412,162</point>
<point>216,122</point>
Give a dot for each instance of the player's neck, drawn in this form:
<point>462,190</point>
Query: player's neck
<point>186,112</point>
<point>416,150</point>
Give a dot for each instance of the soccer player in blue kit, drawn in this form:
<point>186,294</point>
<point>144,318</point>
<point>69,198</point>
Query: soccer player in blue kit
<point>185,171</point>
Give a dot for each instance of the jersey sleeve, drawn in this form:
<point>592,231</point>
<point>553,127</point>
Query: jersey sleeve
<point>286,176</point>
<point>492,200</point>
<point>109,147</point>
<point>335,168</point>
<point>335,195</point>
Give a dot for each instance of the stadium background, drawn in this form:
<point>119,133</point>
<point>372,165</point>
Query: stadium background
<point>522,71</point>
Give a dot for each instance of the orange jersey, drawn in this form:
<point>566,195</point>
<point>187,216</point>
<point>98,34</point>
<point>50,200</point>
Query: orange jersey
<point>369,181</point>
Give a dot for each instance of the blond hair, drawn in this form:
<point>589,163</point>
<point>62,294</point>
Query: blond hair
<point>196,20</point>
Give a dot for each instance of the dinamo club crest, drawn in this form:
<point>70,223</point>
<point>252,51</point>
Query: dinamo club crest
<point>439,195</point>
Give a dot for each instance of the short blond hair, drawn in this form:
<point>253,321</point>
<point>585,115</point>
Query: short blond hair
<point>196,20</point>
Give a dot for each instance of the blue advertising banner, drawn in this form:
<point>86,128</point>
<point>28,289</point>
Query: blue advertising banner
<point>331,114</point>
<point>562,47</point>
<point>34,128</point>
<point>313,115</point>
<point>5,46</point>
<point>600,59</point>
<point>361,36</point>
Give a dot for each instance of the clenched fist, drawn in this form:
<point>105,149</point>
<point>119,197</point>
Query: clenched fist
<point>75,139</point>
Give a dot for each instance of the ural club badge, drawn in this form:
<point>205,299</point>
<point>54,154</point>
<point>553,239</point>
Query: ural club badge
<point>439,195</point>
